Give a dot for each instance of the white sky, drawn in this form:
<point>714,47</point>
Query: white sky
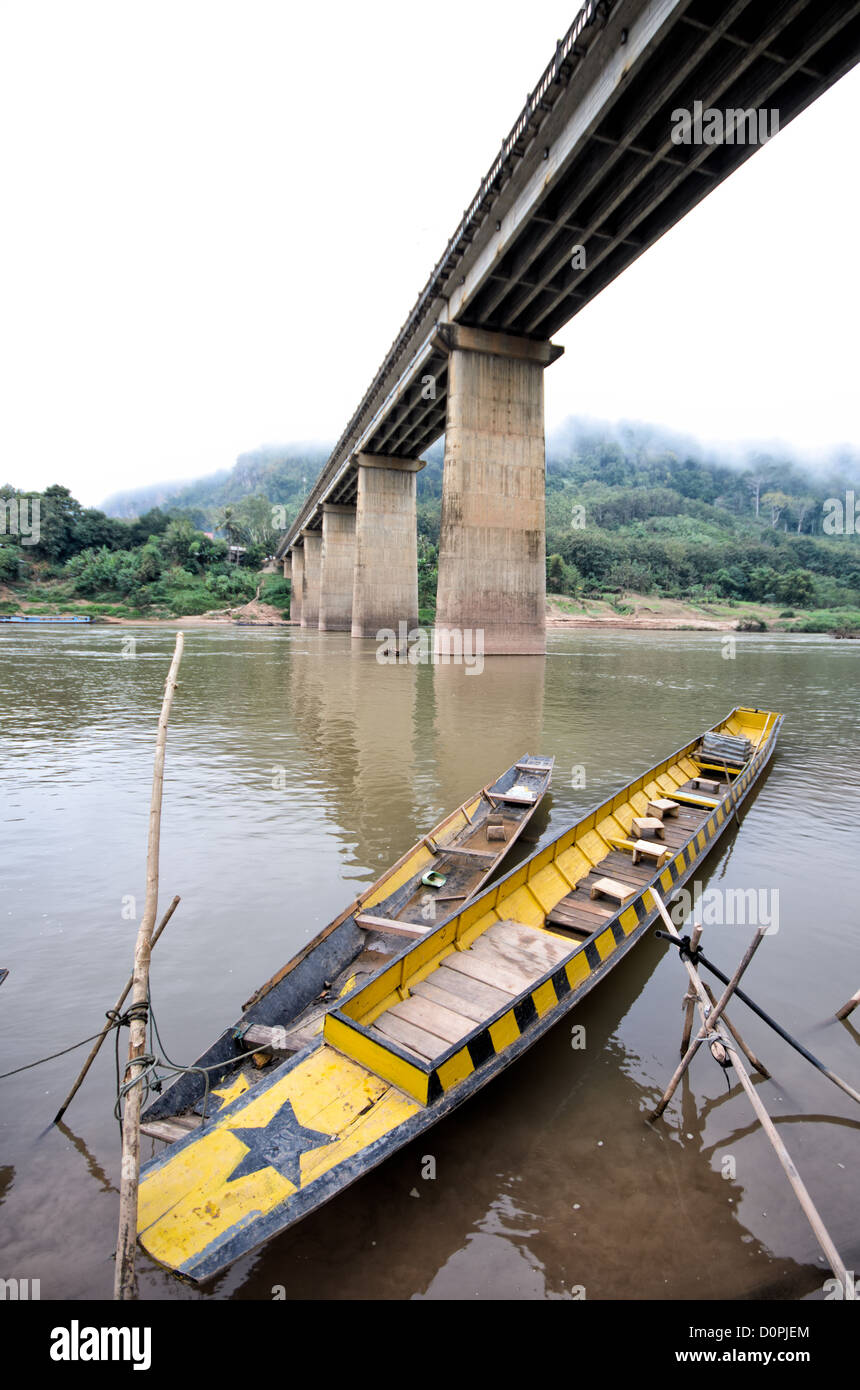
<point>217,216</point>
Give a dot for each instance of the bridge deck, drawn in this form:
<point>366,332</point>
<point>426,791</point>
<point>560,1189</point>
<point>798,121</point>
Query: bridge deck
<point>591,162</point>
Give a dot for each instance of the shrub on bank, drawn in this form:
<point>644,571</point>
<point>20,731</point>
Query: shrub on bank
<point>830,620</point>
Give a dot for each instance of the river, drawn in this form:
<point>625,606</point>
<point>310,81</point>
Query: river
<point>298,768</point>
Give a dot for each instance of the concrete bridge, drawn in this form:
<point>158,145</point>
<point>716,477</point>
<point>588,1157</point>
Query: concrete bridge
<point>597,167</point>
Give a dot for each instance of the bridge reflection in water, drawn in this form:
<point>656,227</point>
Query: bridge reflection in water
<point>400,744</point>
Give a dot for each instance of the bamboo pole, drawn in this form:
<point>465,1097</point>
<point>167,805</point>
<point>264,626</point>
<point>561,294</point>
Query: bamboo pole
<point>850,1006</point>
<point>711,1023</point>
<point>810,1211</point>
<point>109,1026</point>
<point>713,1015</point>
<point>690,997</point>
<point>125,1282</point>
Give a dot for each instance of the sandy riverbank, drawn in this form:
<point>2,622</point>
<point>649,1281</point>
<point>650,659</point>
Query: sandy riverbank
<point>645,613</point>
<point>649,614</point>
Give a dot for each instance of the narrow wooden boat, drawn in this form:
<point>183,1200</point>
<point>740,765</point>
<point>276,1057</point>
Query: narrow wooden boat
<point>21,619</point>
<point>448,1013</point>
<point>441,873</point>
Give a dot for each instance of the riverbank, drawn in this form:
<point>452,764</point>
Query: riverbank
<point>35,603</point>
<point>252,614</point>
<point>647,613</point>
<point>630,613</point>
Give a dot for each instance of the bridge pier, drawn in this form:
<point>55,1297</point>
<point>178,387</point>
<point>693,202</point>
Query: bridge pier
<point>297,555</point>
<point>492,550</point>
<point>337,568</point>
<point>385,591</point>
<point>311,579</point>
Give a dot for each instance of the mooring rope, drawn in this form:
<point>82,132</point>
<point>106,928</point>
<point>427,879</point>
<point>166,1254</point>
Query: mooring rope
<point>151,1062</point>
<point>50,1057</point>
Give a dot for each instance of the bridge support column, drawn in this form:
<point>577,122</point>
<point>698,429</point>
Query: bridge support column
<point>337,568</point>
<point>386,545</point>
<point>288,568</point>
<point>296,580</point>
<point>311,579</point>
<point>492,551</point>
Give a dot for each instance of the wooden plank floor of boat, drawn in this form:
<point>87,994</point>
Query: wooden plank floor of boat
<point>580,915</point>
<point>469,988</point>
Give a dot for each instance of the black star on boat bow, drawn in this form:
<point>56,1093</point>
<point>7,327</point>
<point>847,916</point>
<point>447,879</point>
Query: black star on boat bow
<point>279,1145</point>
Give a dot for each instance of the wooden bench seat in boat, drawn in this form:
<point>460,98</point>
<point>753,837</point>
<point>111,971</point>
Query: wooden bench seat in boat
<point>662,806</point>
<point>170,1130</point>
<point>650,849</point>
<point>705,784</point>
<point>648,825</point>
<point>462,852</point>
<point>611,888</point>
<point>261,1036</point>
<point>522,796</point>
<point>367,922</point>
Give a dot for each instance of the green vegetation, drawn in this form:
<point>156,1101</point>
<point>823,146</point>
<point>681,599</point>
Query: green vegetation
<point>831,620</point>
<point>629,512</point>
<point>154,566</point>
<point>276,591</point>
<point>637,513</point>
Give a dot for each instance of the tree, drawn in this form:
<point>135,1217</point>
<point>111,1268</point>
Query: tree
<point>797,588</point>
<point>153,523</point>
<point>555,574</point>
<point>778,502</point>
<point>8,564</point>
<point>802,507</point>
<point>178,539</point>
<point>731,581</point>
<point>94,529</point>
<point>232,527</point>
<point>151,562</point>
<point>255,518</point>
<point>60,516</point>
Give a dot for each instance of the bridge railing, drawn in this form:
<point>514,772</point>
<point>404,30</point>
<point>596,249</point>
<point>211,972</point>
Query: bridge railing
<point>566,48</point>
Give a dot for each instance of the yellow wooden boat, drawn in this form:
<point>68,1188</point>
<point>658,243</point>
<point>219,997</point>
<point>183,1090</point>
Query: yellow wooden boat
<point>448,1013</point>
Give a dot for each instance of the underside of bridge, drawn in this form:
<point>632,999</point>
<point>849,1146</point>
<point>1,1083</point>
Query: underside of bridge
<point>591,175</point>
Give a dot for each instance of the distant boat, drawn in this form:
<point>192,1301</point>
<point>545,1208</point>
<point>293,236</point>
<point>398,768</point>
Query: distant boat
<point>22,619</point>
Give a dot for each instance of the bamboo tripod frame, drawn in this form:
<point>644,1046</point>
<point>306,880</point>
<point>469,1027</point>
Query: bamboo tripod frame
<point>850,1006</point>
<point>715,1031</point>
